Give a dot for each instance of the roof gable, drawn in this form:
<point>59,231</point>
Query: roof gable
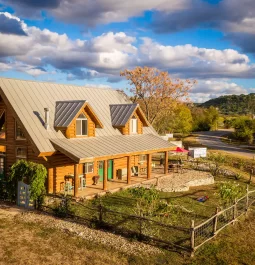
<point>121,114</point>
<point>68,110</point>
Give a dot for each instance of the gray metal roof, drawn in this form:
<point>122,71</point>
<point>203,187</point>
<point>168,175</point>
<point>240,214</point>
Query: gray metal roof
<point>84,149</point>
<point>29,98</point>
<point>121,113</point>
<point>66,111</point>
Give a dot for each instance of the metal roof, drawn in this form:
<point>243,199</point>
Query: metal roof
<point>121,113</point>
<point>29,98</point>
<point>66,111</point>
<point>84,149</point>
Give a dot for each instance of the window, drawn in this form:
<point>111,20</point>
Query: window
<point>142,158</point>
<point>21,153</point>
<point>2,124</point>
<point>19,133</point>
<point>88,167</point>
<point>81,125</point>
<point>133,125</point>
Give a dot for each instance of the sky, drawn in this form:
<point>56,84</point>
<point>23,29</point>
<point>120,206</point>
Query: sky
<point>88,42</point>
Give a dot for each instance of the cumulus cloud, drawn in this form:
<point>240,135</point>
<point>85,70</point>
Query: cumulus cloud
<point>104,56</point>
<point>233,17</point>
<point>11,25</point>
<point>93,12</point>
<point>191,61</point>
<point>205,90</point>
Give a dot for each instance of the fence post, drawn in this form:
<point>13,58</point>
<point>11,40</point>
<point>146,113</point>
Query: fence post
<point>100,208</point>
<point>192,238</point>
<point>235,210</point>
<point>247,198</point>
<point>215,221</point>
<point>140,225</point>
<point>251,172</point>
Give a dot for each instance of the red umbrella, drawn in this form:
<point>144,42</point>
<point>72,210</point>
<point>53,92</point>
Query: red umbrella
<point>181,150</point>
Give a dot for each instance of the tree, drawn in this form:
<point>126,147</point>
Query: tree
<point>177,120</point>
<point>155,91</point>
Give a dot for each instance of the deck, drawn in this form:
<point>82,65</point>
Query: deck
<point>92,191</point>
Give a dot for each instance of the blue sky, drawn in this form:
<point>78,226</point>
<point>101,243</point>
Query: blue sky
<point>89,42</point>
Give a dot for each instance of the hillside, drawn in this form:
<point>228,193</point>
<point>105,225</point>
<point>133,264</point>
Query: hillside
<point>233,104</point>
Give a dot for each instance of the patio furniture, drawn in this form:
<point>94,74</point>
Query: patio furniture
<point>68,187</point>
<point>134,171</point>
<point>95,179</point>
<point>82,181</point>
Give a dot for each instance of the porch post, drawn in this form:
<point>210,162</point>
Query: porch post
<point>166,163</point>
<point>76,179</point>
<point>128,169</point>
<point>105,175</point>
<point>50,180</point>
<point>148,166</point>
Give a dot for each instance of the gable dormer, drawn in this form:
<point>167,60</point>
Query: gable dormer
<point>128,118</point>
<point>76,119</point>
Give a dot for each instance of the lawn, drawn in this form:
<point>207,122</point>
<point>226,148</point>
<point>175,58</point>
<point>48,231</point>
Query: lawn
<point>34,243</point>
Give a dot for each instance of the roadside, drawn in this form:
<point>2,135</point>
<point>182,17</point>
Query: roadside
<point>213,140</point>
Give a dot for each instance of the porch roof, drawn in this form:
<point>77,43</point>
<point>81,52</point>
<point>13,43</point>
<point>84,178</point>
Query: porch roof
<point>82,150</point>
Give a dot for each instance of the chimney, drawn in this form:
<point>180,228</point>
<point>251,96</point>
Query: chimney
<point>47,118</point>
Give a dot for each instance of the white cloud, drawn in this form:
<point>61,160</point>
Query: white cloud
<point>205,90</point>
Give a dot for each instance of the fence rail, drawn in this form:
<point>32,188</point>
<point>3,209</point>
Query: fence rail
<point>175,237</point>
<point>207,230</point>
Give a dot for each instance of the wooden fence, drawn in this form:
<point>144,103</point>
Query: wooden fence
<point>187,239</point>
<point>202,233</point>
<point>134,226</point>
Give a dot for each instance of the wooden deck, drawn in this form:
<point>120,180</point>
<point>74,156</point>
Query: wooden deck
<point>91,191</point>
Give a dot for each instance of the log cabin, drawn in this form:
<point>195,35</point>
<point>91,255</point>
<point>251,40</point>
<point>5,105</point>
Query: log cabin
<point>75,131</point>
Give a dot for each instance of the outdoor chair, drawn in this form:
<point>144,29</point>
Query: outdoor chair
<point>134,171</point>
<point>68,187</point>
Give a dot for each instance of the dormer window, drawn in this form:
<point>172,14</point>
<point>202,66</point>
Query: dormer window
<point>81,125</point>
<point>133,125</point>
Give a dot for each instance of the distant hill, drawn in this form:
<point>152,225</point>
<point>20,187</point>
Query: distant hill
<point>233,104</point>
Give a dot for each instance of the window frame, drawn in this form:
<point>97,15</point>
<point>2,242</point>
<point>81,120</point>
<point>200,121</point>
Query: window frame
<point>21,157</point>
<point>131,127</point>
<point>3,113</point>
<point>86,167</point>
<point>81,119</point>
<point>16,128</point>
<point>141,158</point>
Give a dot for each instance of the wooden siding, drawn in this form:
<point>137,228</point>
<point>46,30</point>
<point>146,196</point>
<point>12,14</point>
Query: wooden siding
<point>11,144</point>
<point>126,130</point>
<point>71,130</point>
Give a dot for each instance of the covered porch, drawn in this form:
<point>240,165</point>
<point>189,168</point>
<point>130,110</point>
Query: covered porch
<point>112,169</point>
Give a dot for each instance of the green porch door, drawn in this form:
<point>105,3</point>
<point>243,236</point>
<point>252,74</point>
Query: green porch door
<point>110,169</point>
<point>101,170</point>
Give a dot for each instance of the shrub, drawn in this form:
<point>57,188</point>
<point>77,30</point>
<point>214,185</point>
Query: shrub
<point>229,191</point>
<point>31,173</point>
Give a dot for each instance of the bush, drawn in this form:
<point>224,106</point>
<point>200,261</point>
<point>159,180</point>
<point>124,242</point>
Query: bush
<point>63,209</point>
<point>229,191</point>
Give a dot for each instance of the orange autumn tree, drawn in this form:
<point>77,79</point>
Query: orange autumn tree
<point>155,91</point>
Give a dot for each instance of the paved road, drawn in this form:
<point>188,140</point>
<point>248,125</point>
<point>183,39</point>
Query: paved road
<point>213,141</point>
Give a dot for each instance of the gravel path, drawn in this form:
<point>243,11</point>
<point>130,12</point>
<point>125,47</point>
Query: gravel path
<point>93,235</point>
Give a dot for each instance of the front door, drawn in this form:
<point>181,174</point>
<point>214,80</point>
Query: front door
<point>101,170</point>
<point>110,169</point>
